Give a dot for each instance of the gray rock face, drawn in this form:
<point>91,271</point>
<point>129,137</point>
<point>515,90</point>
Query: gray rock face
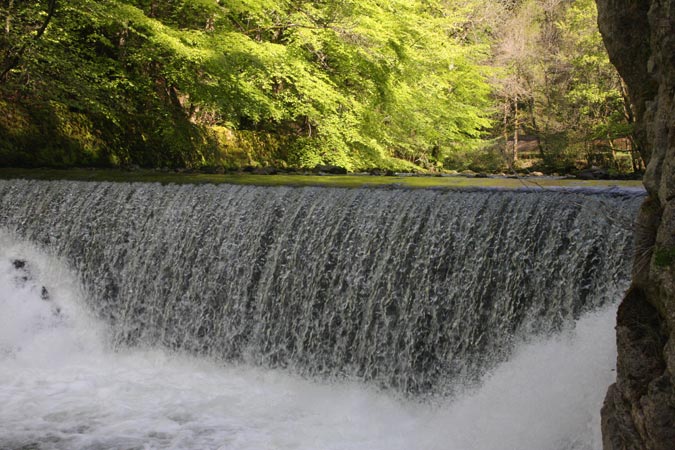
<point>639,410</point>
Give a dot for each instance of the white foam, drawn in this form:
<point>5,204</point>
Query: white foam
<point>61,388</point>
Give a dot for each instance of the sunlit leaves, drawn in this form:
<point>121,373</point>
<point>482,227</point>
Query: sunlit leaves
<point>340,81</point>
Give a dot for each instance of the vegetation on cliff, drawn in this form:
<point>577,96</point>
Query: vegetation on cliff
<point>401,85</point>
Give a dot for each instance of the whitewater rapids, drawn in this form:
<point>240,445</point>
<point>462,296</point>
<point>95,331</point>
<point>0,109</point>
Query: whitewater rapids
<point>62,386</point>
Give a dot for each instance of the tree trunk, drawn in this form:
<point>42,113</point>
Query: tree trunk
<point>122,43</point>
<point>13,58</point>
<point>505,154</point>
<point>153,9</point>
<point>635,156</point>
<point>610,142</point>
<point>8,19</point>
<point>516,124</point>
<point>535,128</point>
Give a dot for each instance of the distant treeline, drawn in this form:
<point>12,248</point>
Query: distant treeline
<point>400,85</point>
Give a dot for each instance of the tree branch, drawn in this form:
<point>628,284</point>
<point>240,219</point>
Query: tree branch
<point>13,58</point>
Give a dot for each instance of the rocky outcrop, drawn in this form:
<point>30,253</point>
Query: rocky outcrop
<point>639,410</point>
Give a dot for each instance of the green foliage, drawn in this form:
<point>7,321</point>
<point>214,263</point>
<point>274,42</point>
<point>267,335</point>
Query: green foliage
<point>402,84</point>
<point>355,84</point>
<point>559,85</point>
<point>594,84</point>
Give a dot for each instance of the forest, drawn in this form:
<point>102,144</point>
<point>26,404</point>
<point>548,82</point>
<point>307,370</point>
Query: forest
<point>399,85</point>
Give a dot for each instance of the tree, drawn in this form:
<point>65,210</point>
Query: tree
<point>191,82</point>
<point>556,84</point>
<point>598,105</point>
<point>19,34</point>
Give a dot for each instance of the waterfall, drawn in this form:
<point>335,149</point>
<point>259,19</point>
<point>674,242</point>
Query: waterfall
<point>404,289</point>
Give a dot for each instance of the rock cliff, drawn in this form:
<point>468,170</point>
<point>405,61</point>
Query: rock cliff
<point>639,410</point>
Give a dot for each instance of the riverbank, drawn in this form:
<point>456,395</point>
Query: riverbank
<point>352,181</point>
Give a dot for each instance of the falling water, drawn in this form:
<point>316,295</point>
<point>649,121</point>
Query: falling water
<point>191,316</point>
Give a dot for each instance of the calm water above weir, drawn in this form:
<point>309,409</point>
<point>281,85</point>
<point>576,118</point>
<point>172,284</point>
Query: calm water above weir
<point>247,317</point>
